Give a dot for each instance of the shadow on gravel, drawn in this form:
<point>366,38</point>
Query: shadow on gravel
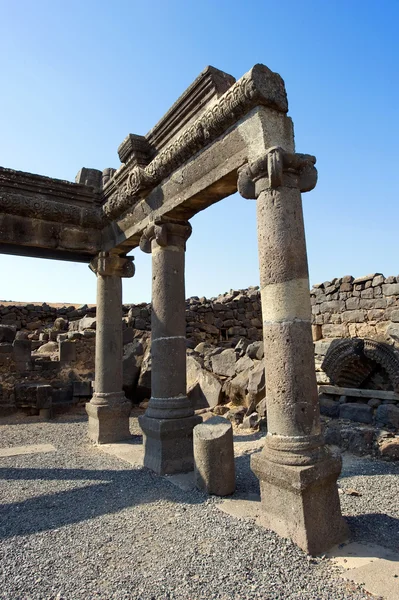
<point>115,491</point>
<point>375,528</point>
<point>360,466</point>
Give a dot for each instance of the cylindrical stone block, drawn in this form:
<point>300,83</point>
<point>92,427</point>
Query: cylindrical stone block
<point>291,389</point>
<point>109,349</point>
<point>214,457</point>
<point>168,330</point>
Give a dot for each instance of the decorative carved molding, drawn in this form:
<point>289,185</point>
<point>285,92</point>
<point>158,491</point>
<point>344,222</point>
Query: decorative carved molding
<point>108,265</point>
<point>165,233</point>
<point>35,196</point>
<point>39,208</point>
<point>349,362</point>
<point>275,169</point>
<point>258,87</point>
<point>135,149</point>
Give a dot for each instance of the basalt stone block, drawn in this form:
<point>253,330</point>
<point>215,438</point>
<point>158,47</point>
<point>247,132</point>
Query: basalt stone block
<point>67,350</point>
<point>302,502</point>
<point>5,348</point>
<point>108,424</point>
<point>388,416</point>
<point>7,333</point>
<point>214,457</point>
<point>255,350</point>
<point>361,413</point>
<point>328,407</point>
<point>35,395</point>
<point>82,388</point>
<point>23,353</point>
<point>224,363</point>
<point>168,444</point>
<point>127,335</point>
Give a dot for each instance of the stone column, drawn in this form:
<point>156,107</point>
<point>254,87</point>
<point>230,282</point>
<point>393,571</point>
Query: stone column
<point>169,419</point>
<point>109,409</point>
<point>297,472</point>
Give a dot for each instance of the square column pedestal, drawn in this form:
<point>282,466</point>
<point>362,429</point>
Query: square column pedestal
<point>109,423</point>
<point>168,444</point>
<point>301,502</point>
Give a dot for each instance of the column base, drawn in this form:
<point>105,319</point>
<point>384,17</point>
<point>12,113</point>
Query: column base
<point>168,444</point>
<point>108,423</point>
<point>302,502</point>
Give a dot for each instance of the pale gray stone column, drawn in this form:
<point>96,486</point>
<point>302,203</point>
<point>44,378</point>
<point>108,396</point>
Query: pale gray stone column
<point>169,419</point>
<point>109,408</point>
<point>297,472</point>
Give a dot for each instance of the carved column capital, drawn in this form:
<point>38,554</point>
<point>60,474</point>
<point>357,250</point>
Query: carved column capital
<point>277,168</point>
<point>108,265</point>
<point>165,233</point>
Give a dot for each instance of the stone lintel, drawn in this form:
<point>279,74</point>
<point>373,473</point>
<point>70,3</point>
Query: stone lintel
<point>258,87</point>
<point>204,180</point>
<point>208,87</point>
<point>47,187</point>
<point>26,236</point>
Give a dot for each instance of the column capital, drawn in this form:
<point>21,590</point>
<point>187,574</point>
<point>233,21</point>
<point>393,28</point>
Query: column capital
<point>166,232</point>
<point>277,168</point>
<point>108,265</point>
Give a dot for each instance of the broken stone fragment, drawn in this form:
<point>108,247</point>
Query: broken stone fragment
<point>214,456</point>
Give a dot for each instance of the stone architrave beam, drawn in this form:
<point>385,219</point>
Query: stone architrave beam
<point>169,419</point>
<point>297,472</point>
<point>109,409</point>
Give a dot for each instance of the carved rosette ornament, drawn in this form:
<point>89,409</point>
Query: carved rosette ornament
<point>277,168</point>
<point>109,265</point>
<point>165,233</point>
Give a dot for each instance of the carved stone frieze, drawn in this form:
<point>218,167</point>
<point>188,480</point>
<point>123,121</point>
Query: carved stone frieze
<point>39,208</point>
<point>277,168</point>
<point>35,196</point>
<point>258,87</point>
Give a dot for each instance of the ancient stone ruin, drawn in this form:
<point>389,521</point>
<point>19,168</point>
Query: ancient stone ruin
<point>220,136</point>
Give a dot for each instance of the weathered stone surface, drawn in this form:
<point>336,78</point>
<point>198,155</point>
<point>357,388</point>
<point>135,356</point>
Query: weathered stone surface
<point>203,388</point>
<point>389,449</point>
<point>87,323</point>
<point>256,381</point>
<point>328,407</point>
<point>255,350</point>
<point>387,415</point>
<point>7,333</point>
<point>390,289</point>
<point>225,363</point>
<point>214,456</point>
<point>48,348</point>
<point>235,389</point>
<point>361,413</point>
<point>244,364</point>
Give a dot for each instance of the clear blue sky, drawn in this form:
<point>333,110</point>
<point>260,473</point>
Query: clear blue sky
<point>78,76</point>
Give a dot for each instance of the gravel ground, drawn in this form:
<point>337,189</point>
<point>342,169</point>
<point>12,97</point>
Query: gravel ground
<point>79,524</point>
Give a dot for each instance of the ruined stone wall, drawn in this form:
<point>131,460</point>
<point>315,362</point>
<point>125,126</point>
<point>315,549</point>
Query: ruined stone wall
<point>344,307</point>
<point>366,307</point>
